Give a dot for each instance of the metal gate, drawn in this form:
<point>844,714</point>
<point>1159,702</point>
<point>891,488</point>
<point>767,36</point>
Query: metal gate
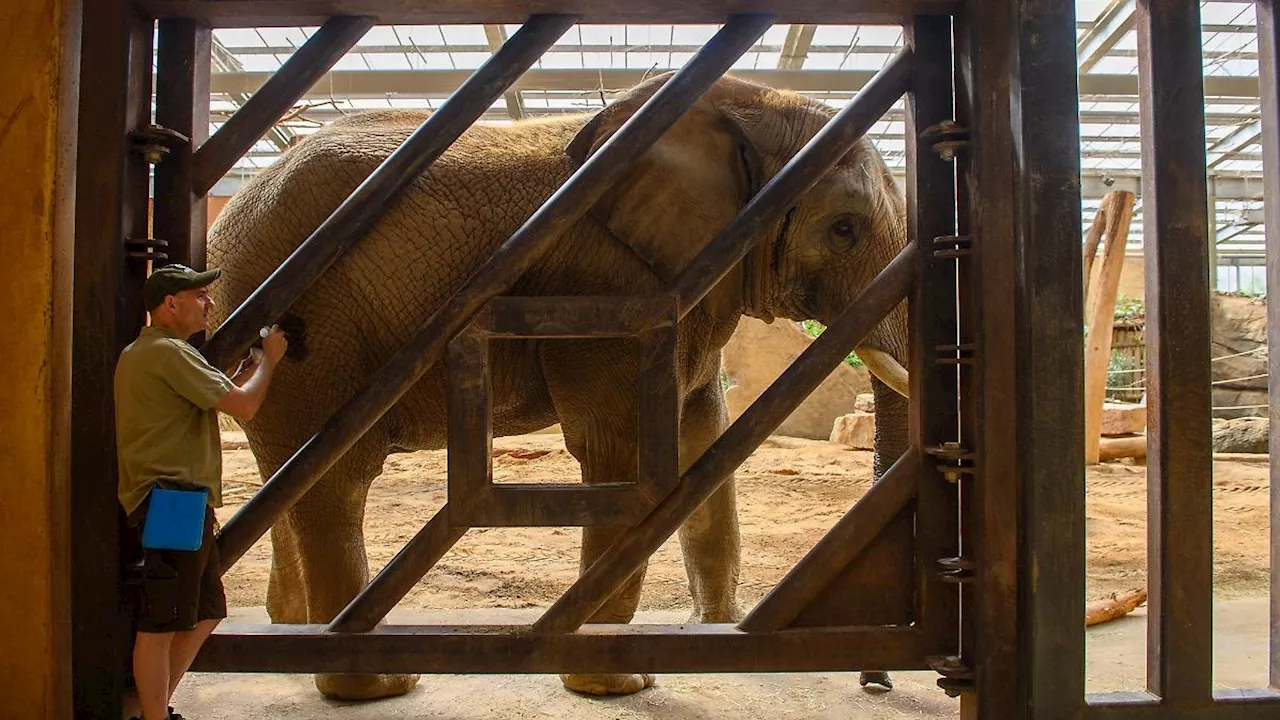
<point>988,498</point>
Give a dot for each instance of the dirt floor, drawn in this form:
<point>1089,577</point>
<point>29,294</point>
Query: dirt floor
<point>790,492</point>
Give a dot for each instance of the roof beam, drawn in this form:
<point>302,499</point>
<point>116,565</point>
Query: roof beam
<point>1112,24</point>
<point>796,47</point>
<point>497,35</point>
<point>224,61</point>
<point>440,83</point>
<point>1237,140</point>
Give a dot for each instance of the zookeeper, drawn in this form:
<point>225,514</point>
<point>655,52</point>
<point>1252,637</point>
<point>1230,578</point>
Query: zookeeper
<point>167,399</point>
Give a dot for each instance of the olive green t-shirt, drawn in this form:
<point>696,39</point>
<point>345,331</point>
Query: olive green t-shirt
<point>166,427</point>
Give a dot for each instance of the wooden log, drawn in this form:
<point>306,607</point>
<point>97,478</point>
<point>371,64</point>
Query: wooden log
<point>1114,448</point>
<point>931,316</point>
<point>841,544</point>
<point>182,105</point>
<point>1108,609</point>
<point>732,244</point>
<point>286,86</point>
<point>1100,314</point>
<point>1269,82</point>
<point>361,210</point>
<point>399,575</point>
<point>520,252</point>
<point>1179,470</point>
<point>603,648</point>
<point>1091,240</point>
<point>611,570</point>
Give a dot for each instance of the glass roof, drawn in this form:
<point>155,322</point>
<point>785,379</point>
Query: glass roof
<point>415,66</point>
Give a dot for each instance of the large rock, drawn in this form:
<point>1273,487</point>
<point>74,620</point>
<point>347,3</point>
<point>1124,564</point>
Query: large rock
<point>1241,435</point>
<point>857,430</point>
<point>758,353</point>
<point>865,403</point>
<point>1239,325</point>
<point>1123,418</point>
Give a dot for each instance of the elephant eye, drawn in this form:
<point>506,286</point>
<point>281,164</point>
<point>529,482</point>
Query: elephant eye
<point>844,228</point>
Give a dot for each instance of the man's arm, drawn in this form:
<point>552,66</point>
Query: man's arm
<point>243,401</point>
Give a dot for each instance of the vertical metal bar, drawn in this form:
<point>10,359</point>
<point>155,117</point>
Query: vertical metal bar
<point>658,408</point>
<point>519,253</point>
<point>1269,84</point>
<point>1050,367</point>
<point>992,55</point>
<point>470,401</point>
<point>285,87</point>
<point>111,203</point>
<point>182,105</point>
<point>967,316</point>
<point>1179,451</point>
<point>361,210</point>
<point>930,191</point>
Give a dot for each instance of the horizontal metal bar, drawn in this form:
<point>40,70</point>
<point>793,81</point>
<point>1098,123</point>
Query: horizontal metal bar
<point>547,505</point>
<point>800,174</point>
<point>303,68</point>
<point>705,475</point>
<point>438,83</point>
<point>515,257</point>
<point>1249,704</point>
<point>260,13</point>
<point>361,210</point>
<point>595,649</point>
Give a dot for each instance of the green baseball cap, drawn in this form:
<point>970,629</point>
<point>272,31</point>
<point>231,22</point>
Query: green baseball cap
<point>173,279</point>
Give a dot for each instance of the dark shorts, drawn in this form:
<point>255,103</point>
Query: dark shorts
<point>180,588</point>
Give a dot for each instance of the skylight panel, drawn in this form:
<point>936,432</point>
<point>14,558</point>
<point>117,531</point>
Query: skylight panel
<point>464,34</point>
<point>386,61</point>
<point>380,35</point>
<point>693,34</point>
<point>282,37</point>
<point>419,35</point>
<point>259,63</point>
<point>834,34</point>
<point>565,60</point>
<point>239,37</point>
<point>615,35</point>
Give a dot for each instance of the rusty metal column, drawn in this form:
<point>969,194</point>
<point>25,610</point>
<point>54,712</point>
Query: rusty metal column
<point>1050,365</point>
<point>182,106</point>
<point>1269,83</point>
<point>1180,452</point>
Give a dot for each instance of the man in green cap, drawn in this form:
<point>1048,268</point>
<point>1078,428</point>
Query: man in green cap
<point>167,399</point>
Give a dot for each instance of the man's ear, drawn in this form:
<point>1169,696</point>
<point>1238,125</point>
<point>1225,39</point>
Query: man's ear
<point>681,192</point>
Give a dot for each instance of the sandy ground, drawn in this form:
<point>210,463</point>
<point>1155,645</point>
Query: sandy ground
<point>790,492</point>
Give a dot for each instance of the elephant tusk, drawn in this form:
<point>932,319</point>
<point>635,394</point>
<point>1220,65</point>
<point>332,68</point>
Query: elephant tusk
<point>887,369</point>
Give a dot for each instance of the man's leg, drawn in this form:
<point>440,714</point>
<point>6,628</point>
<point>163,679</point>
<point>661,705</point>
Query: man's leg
<point>151,672</point>
<point>183,651</point>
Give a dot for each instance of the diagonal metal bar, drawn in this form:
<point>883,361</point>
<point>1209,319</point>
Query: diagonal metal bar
<point>612,569</point>
<point>796,177</point>
<point>519,253</point>
<point>225,62</point>
<point>839,547</point>
<point>358,213</point>
<point>496,35</point>
<point>399,576</point>
<point>287,85</point>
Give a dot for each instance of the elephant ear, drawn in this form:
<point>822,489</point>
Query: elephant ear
<point>681,192</point>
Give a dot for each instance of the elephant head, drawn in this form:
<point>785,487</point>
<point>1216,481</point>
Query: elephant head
<point>810,264</point>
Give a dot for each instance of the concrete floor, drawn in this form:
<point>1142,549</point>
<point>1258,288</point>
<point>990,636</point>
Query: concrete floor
<point>1115,659</point>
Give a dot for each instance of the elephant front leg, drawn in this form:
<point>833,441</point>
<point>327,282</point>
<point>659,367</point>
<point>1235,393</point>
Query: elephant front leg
<point>709,539</point>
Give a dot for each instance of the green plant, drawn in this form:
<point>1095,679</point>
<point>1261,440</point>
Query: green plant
<point>1123,383</point>
<point>1128,308</point>
<point>815,328</point>
<point>725,382</point>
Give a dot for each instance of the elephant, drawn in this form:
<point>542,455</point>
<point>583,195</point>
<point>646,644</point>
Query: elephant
<point>669,204</point>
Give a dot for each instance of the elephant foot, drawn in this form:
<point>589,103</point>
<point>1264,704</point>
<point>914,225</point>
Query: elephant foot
<point>876,677</point>
<point>364,687</point>
<point>601,684</point>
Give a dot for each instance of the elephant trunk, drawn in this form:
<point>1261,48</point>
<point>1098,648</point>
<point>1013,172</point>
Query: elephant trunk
<point>892,426</point>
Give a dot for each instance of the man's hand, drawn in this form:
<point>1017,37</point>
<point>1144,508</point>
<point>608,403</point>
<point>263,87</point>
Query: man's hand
<point>274,345</point>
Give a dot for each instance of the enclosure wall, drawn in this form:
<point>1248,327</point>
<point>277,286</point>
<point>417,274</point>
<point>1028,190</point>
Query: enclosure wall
<point>37,128</point>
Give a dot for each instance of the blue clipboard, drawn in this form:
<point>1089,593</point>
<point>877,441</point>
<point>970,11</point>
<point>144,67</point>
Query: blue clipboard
<point>175,519</point>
